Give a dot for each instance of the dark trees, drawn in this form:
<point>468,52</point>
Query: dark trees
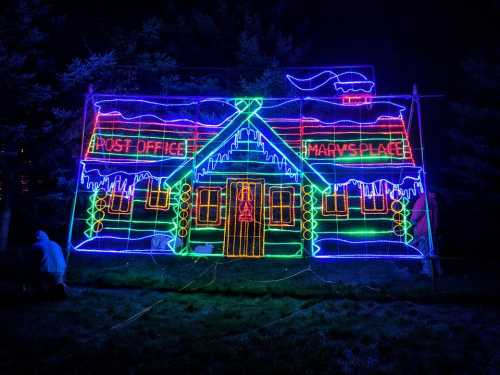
<point>49,57</point>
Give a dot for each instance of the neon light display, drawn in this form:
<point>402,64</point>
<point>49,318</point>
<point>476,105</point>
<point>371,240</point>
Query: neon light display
<point>322,176</point>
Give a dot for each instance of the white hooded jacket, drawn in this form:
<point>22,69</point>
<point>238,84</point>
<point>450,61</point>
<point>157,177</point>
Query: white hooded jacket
<point>52,258</point>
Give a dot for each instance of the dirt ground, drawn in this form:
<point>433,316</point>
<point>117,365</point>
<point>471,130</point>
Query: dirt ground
<point>143,315</point>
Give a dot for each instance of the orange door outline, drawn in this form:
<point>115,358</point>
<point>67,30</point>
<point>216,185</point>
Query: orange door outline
<point>244,238</point>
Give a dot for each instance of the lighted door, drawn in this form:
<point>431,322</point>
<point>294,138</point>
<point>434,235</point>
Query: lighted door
<point>244,229</point>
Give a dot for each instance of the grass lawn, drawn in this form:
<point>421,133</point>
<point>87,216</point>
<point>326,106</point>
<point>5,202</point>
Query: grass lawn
<point>206,316</point>
<point>207,333</point>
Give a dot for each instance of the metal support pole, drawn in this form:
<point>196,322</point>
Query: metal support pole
<point>88,96</point>
<point>430,253</point>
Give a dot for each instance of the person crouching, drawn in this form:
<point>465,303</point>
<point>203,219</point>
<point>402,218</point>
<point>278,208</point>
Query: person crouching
<point>51,265</point>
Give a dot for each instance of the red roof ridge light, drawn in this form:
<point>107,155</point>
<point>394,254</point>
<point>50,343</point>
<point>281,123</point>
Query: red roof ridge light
<point>356,99</point>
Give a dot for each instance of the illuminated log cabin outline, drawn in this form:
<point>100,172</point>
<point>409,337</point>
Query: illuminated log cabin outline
<point>256,177</point>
